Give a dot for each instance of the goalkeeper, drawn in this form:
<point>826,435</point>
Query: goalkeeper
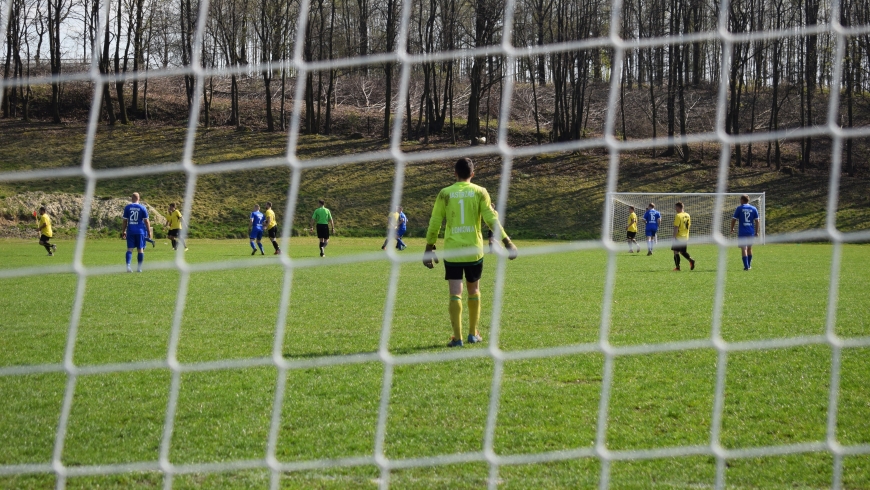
<point>462,205</point>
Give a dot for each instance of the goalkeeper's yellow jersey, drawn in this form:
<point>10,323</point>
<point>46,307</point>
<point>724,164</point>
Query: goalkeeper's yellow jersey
<point>632,222</point>
<point>462,205</point>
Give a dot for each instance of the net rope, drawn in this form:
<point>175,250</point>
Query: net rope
<point>502,149</point>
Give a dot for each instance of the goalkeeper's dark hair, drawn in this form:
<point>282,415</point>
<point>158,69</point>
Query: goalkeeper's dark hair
<point>42,209</point>
<point>679,204</point>
<point>464,168</point>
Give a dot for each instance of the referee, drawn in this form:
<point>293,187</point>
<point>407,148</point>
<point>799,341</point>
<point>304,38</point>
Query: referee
<point>323,219</point>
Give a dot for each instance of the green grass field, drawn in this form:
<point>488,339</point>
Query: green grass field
<point>772,397</point>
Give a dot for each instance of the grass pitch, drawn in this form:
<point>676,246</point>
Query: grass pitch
<point>773,397</point>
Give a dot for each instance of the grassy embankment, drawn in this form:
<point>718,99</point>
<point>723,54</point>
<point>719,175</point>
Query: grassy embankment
<point>557,195</point>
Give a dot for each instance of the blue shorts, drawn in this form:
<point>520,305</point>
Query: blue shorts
<point>256,234</point>
<point>651,231</point>
<point>745,240</point>
<point>136,240</point>
<point>401,232</point>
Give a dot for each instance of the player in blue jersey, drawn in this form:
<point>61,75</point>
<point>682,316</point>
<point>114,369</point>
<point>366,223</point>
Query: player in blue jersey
<point>137,227</point>
<point>255,230</point>
<point>401,229</point>
<point>747,215</point>
<point>653,219</point>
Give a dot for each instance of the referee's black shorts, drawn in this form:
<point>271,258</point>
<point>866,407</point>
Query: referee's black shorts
<point>323,231</point>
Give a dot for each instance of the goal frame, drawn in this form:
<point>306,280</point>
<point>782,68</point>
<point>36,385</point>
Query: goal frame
<point>624,198</point>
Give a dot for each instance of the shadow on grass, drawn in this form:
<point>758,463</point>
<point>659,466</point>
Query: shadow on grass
<point>334,353</point>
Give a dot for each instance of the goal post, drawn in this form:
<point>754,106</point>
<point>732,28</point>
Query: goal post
<point>700,206</point>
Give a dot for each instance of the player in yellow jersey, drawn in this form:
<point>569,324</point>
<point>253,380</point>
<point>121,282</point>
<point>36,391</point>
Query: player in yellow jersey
<point>44,224</point>
<point>461,206</point>
<point>392,224</point>
<point>682,224</point>
<point>173,222</point>
<point>631,231</point>
<point>271,226</point>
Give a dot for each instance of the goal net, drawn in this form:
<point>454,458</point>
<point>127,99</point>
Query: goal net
<point>702,207</point>
<point>608,68</point>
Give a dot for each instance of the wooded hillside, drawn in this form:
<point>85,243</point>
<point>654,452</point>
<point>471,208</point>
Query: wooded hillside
<point>780,72</point>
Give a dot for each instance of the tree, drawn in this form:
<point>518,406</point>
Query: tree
<point>57,11</point>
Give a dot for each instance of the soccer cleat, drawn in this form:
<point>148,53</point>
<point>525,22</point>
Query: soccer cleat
<point>51,254</point>
<point>746,268</point>
<point>277,252</point>
<point>691,265</point>
<point>53,248</point>
<point>649,253</point>
<point>676,269</point>
<point>384,247</point>
<point>454,342</point>
<point>262,252</point>
<point>129,269</point>
<point>185,249</point>
<point>253,252</point>
<point>322,254</point>
<point>153,244</point>
<point>473,339</point>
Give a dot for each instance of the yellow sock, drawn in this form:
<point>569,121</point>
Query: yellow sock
<point>473,313</point>
<point>456,316</point>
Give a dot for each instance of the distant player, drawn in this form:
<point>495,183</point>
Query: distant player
<point>747,215</point>
<point>137,226</point>
<point>322,217</point>
<point>255,229</point>
<point>271,226</point>
<point>401,229</point>
<point>392,224</point>
<point>45,233</point>
<point>173,222</point>
<point>631,230</point>
<point>462,205</point>
<point>682,224</point>
<point>653,219</point>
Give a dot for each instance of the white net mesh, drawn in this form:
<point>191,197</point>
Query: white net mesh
<point>511,50</point>
<point>699,206</point>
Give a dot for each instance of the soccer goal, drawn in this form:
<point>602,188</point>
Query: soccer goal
<point>700,206</point>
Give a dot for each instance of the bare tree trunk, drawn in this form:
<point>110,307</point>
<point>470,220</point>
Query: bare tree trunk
<point>388,67</point>
<point>55,16</point>
<point>812,12</point>
<point>119,81</point>
<point>138,53</point>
